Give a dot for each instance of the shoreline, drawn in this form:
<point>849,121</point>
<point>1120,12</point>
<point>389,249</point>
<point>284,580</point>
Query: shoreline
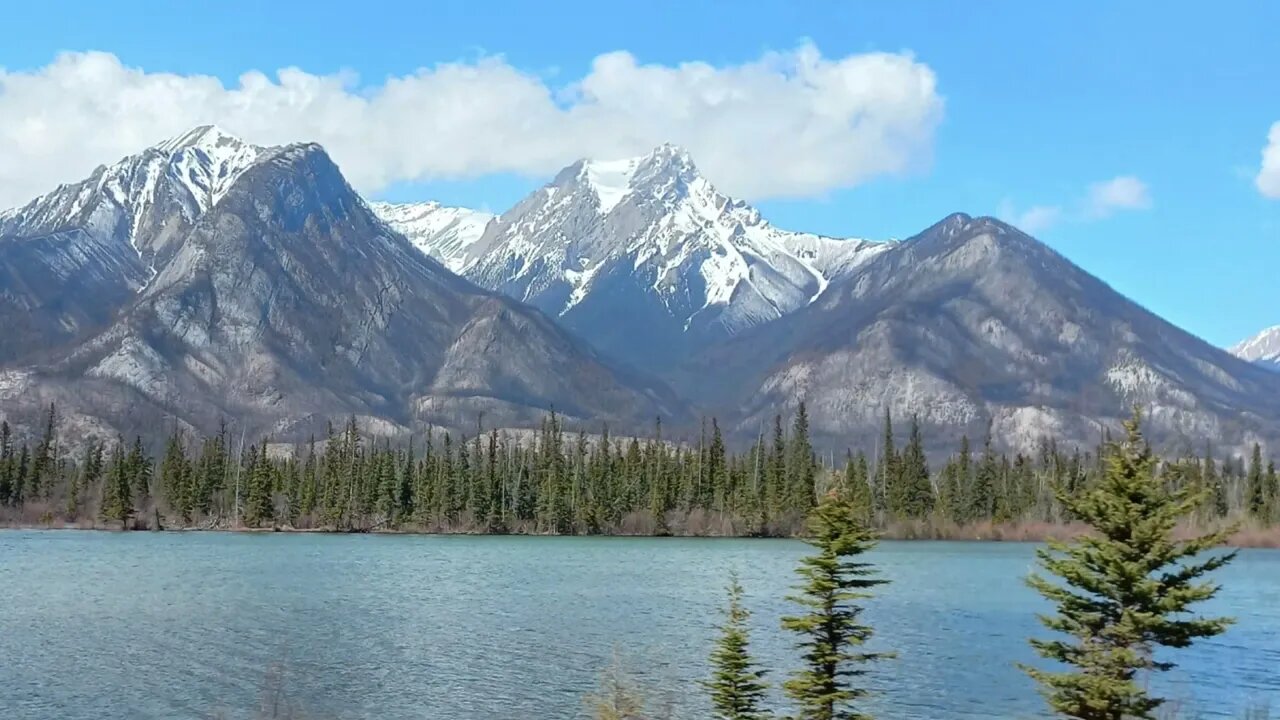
<point>1245,538</point>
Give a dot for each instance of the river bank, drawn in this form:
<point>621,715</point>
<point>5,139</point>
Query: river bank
<point>1247,535</point>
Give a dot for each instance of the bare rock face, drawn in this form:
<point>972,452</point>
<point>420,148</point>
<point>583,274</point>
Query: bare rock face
<point>973,324</point>
<point>283,302</point>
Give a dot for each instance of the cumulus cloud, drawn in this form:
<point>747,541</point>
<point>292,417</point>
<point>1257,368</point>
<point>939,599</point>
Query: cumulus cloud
<point>1101,200</point>
<point>1125,192</point>
<point>1268,179</point>
<point>789,124</point>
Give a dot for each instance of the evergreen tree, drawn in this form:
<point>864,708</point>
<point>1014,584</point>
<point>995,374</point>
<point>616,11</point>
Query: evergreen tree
<point>138,470</point>
<point>736,686</point>
<point>1257,488</point>
<point>801,466</point>
<point>915,491</point>
<point>117,496</point>
<point>174,478</point>
<point>1125,590</point>
<point>44,461</point>
<point>7,495</point>
<point>776,470</point>
<point>885,482</point>
<point>835,581</point>
<point>982,492</point>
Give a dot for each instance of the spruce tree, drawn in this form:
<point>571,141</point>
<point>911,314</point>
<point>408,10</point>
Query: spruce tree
<point>1256,487</point>
<point>117,500</point>
<point>737,685</point>
<point>801,467</point>
<point>835,581</point>
<point>6,465</point>
<point>1125,590</point>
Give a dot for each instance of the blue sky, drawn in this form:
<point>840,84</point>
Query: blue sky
<point>1039,101</point>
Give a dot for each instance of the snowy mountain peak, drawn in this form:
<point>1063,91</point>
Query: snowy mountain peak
<point>202,137</point>
<point>647,238</point>
<point>611,181</point>
<point>1262,349</point>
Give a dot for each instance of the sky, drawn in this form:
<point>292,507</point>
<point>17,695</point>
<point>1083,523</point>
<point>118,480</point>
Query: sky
<point>1143,145</point>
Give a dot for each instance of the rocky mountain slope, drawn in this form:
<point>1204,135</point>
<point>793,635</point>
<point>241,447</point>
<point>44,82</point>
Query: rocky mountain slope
<point>1262,349</point>
<point>254,284</point>
<point>647,240</point>
<point>973,322</point>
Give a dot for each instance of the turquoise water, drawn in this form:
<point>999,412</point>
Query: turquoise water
<point>179,625</point>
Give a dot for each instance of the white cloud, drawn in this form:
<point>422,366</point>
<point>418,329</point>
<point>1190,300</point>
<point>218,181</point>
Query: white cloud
<point>1035,219</point>
<point>1125,192</point>
<point>1268,179</point>
<point>1101,200</point>
<point>788,124</point>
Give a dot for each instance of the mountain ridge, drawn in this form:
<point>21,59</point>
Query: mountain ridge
<point>284,303</point>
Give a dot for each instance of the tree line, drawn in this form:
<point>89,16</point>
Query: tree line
<point>560,482</point>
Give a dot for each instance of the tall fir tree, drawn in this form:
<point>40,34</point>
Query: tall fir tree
<point>1123,591</point>
<point>802,468</point>
<point>835,582</point>
<point>736,686</point>
<point>1256,487</point>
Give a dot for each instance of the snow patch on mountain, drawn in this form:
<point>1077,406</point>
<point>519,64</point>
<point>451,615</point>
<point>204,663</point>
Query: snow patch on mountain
<point>439,231</point>
<point>610,179</point>
<point>1262,349</point>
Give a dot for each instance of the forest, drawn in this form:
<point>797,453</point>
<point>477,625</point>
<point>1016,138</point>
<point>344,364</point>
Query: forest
<point>557,482</point>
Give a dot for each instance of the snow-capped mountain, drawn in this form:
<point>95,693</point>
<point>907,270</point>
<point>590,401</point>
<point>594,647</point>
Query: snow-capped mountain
<point>442,232</point>
<point>642,256</point>
<point>75,255</point>
<point>1261,349</point>
<point>254,284</point>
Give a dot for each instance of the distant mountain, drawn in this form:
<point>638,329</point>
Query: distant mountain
<point>1262,349</point>
<point>973,322</point>
<point>206,278</point>
<point>643,257</point>
<point>442,232</point>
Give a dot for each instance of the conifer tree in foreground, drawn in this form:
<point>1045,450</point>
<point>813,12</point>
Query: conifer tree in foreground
<point>1126,589</point>
<point>737,686</point>
<point>835,580</point>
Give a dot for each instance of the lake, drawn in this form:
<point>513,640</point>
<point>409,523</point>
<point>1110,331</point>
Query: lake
<point>169,626</point>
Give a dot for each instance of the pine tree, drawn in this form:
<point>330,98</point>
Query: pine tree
<point>174,477</point>
<point>7,495</point>
<point>885,482</point>
<point>776,471</point>
<point>801,467</point>
<point>982,491</point>
<point>117,496</point>
<point>138,469</point>
<point>618,698</point>
<point>1257,488</point>
<point>915,491</point>
<point>1125,590</point>
<point>45,459</point>
<point>835,580</point>
<point>736,686</point>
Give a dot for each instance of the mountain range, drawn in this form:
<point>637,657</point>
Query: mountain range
<point>206,279</point>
